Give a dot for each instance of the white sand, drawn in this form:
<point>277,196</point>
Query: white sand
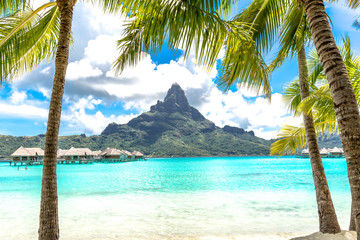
<point>344,235</point>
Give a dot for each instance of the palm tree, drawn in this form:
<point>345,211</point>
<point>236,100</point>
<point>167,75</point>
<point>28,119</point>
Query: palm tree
<point>243,63</point>
<point>293,30</point>
<point>17,55</point>
<point>346,108</point>
<point>319,100</point>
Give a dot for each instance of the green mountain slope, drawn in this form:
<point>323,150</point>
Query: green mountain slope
<point>171,128</point>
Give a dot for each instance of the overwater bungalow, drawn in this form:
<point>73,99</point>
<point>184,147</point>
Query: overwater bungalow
<point>28,155</point>
<point>127,156</point>
<point>336,153</point>
<point>60,153</point>
<point>110,155</point>
<point>305,153</point>
<point>96,153</point>
<point>137,155</point>
<point>78,154</point>
<point>324,152</point>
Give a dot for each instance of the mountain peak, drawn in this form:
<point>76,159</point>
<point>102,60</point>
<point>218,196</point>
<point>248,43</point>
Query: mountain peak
<point>175,101</point>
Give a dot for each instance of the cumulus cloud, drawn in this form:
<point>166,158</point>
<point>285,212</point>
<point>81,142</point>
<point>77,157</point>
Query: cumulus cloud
<point>82,69</point>
<point>91,85</point>
<point>18,97</point>
<point>18,105</point>
<point>77,118</point>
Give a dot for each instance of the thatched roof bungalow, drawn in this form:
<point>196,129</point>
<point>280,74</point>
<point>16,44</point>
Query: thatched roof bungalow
<point>111,153</point>
<point>336,152</point>
<point>324,152</point>
<point>78,153</point>
<point>127,155</point>
<point>28,154</point>
<point>96,153</point>
<point>61,152</point>
<point>305,153</point>
<point>137,155</point>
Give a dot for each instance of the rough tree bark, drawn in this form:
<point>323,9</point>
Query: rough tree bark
<point>49,222</point>
<point>328,222</point>
<point>345,105</point>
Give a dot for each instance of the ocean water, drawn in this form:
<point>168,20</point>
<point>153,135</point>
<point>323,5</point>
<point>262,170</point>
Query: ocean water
<point>178,198</point>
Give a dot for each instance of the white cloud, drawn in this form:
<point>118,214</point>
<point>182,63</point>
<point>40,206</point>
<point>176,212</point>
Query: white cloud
<point>37,3</point>
<point>82,69</point>
<point>18,97</point>
<point>103,49</point>
<point>80,121</point>
<point>46,71</point>
<point>232,109</point>
<point>45,92</point>
<point>140,87</point>
<point>23,111</point>
<point>101,22</point>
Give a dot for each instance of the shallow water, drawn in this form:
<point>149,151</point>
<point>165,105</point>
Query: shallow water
<point>179,198</point>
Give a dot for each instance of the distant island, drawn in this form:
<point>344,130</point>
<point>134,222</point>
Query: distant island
<point>172,128</point>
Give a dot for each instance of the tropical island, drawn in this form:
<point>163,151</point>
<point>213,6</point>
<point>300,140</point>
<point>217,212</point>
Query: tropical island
<point>172,128</point>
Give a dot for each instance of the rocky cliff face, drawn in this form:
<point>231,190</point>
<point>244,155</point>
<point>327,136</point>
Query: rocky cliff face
<point>174,128</point>
<point>174,113</point>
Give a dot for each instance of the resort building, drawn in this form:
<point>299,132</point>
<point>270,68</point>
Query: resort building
<point>111,153</point>
<point>305,153</point>
<point>335,153</point>
<point>127,155</point>
<point>60,153</point>
<point>78,154</point>
<point>75,155</point>
<point>137,155</point>
<point>28,154</point>
<point>324,152</point>
<point>96,153</point>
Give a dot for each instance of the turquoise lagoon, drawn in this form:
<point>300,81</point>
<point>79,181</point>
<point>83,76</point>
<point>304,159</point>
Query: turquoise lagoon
<point>178,198</point>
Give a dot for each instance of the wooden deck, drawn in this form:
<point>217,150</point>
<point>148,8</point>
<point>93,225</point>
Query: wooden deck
<point>72,161</point>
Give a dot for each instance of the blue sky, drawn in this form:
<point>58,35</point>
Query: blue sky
<point>94,97</point>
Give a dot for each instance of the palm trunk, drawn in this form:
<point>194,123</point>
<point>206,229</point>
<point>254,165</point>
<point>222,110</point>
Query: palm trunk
<point>345,105</point>
<point>352,226</point>
<point>49,223</point>
<point>328,222</point>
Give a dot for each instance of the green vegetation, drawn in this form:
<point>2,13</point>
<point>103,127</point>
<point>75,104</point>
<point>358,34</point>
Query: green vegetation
<point>170,128</point>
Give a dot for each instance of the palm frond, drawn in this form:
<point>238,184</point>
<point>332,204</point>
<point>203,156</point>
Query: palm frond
<point>290,138</point>
<point>319,100</point>
<point>291,96</point>
<point>183,25</point>
<point>131,8</point>
<point>27,41</point>
<point>265,17</point>
<point>243,64</point>
<point>294,33</point>
<point>8,7</point>
<point>353,3</point>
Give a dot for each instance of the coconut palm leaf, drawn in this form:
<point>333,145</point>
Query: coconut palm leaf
<point>294,33</point>
<point>290,138</point>
<point>265,17</point>
<point>27,39</point>
<point>182,24</point>
<point>244,64</point>
<point>319,102</point>
<point>8,7</point>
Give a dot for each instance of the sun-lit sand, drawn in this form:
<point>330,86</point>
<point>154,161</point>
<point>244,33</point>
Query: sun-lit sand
<point>344,235</point>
